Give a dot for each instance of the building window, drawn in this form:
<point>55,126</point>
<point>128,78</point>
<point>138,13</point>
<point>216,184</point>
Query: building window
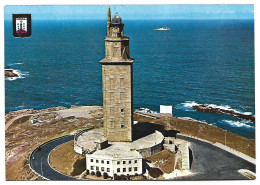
<point>118,170</point>
<point>97,161</point>
<point>102,169</point>
<point>112,111</point>
<point>130,162</point>
<point>130,169</point>
<point>122,110</point>
<point>123,162</point>
<point>111,95</point>
<point>122,95</point>
<point>116,51</point>
<point>121,81</point>
<point>135,161</point>
<point>108,169</point>
<point>91,160</point>
<point>124,169</point>
<point>111,81</point>
<point>92,167</point>
<point>102,161</point>
<point>122,125</point>
<point>118,162</point>
<point>97,168</point>
<point>135,169</point>
<point>107,162</point>
<point>112,124</point>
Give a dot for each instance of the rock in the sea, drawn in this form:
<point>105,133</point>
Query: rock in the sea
<point>207,108</point>
<point>10,73</point>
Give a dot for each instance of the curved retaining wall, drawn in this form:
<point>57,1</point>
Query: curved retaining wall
<point>77,148</point>
<point>147,152</point>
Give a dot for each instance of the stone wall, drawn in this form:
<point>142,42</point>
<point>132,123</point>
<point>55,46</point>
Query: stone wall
<point>117,102</point>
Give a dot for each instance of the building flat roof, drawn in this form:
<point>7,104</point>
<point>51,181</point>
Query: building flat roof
<point>119,150</point>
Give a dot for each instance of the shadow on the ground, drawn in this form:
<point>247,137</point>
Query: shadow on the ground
<point>142,129</point>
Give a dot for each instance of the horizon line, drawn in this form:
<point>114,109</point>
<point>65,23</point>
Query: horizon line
<point>8,19</point>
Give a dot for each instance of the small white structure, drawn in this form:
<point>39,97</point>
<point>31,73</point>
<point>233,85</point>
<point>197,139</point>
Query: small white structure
<point>166,109</point>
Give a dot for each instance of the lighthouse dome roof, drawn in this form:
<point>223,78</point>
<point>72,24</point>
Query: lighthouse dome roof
<point>116,19</point>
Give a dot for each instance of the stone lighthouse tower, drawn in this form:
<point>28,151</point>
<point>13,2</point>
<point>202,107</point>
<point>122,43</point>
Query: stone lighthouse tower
<point>117,79</point>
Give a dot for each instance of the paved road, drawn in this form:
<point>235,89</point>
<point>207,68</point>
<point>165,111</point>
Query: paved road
<point>209,162</point>
<point>212,163</point>
<point>39,160</point>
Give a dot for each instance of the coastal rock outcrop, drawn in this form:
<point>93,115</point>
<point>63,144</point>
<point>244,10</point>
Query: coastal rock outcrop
<point>10,73</point>
<point>207,108</point>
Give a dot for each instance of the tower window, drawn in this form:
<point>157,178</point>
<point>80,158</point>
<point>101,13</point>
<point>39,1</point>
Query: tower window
<point>112,111</point>
<point>122,125</point>
<point>122,110</point>
<point>121,95</point>
<point>111,81</point>
<point>111,94</point>
<point>112,124</point>
<point>121,81</point>
<point>116,51</point>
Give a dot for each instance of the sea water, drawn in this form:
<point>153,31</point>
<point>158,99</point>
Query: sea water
<point>196,62</point>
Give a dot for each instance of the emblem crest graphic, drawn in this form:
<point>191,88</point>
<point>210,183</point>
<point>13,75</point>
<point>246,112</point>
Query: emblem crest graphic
<point>22,25</point>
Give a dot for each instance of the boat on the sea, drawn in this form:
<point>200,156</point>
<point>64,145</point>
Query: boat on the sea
<point>162,29</point>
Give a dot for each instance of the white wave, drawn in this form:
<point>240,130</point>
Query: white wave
<point>19,73</point>
<point>187,106</point>
<point>238,123</point>
<point>18,63</point>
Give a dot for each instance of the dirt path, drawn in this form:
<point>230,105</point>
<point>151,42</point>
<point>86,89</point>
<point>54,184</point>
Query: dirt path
<point>10,122</point>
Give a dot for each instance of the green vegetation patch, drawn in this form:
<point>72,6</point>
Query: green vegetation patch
<point>155,172</point>
<point>79,167</point>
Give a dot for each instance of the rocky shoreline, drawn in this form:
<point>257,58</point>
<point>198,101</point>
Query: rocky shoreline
<point>207,108</point>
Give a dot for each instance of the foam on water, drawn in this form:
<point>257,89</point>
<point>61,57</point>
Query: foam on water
<point>19,73</point>
<point>187,106</point>
<point>237,123</point>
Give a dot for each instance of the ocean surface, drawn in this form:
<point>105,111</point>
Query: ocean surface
<point>196,62</point>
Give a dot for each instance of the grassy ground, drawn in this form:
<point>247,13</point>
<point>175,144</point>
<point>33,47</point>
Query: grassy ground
<point>66,160</point>
<point>163,160</point>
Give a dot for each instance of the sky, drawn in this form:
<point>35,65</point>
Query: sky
<point>131,12</point>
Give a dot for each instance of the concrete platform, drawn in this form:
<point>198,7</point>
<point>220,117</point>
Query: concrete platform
<point>146,146</point>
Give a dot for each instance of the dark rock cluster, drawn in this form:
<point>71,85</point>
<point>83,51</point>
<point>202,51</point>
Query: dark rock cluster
<point>207,108</point>
<point>10,73</point>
